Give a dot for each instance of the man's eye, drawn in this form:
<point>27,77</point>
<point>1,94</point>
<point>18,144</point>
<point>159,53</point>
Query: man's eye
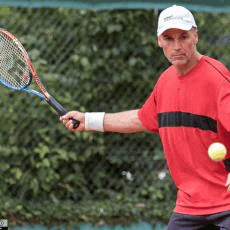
<point>168,38</point>
<point>184,37</point>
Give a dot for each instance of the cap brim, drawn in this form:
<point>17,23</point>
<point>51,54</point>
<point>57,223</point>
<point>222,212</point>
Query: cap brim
<point>174,26</point>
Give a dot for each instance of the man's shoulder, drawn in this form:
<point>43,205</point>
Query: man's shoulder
<point>166,77</point>
<point>214,63</point>
<point>169,71</point>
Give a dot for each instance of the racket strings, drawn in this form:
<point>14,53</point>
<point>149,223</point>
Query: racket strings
<point>14,71</point>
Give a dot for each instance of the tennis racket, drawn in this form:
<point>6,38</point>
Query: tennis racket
<point>17,71</point>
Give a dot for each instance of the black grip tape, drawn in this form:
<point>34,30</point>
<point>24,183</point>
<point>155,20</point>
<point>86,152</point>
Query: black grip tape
<point>61,111</point>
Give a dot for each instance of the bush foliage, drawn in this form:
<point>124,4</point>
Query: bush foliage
<point>90,61</point>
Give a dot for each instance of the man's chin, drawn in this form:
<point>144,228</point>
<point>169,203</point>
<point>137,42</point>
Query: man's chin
<point>179,62</point>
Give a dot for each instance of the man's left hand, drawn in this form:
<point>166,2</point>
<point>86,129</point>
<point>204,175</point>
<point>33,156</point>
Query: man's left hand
<point>228,182</point>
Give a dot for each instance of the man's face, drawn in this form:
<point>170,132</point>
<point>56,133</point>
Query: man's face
<point>179,46</point>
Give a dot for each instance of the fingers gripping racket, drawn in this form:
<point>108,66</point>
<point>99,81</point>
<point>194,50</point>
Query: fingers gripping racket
<point>17,71</point>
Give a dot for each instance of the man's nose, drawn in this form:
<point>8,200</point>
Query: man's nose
<point>177,44</point>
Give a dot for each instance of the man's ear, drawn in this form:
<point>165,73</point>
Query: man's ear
<point>196,37</point>
<point>159,41</point>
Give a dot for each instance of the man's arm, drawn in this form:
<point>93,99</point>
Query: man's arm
<point>228,182</point>
<point>122,122</point>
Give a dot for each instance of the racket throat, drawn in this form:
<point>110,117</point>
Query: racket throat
<point>53,102</point>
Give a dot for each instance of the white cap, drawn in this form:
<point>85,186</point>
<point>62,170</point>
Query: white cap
<point>175,17</point>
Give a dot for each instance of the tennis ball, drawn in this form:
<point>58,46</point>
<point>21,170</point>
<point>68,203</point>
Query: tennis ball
<point>217,151</point>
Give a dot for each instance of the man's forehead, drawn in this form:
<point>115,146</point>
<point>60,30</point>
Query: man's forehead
<point>171,32</point>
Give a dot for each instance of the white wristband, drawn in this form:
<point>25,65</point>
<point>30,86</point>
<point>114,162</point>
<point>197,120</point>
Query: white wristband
<point>94,121</point>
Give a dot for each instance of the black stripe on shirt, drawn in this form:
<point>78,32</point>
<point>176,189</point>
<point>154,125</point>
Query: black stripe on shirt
<point>178,119</point>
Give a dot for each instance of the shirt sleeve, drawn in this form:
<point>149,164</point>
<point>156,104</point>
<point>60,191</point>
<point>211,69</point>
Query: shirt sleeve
<point>148,114</point>
<point>224,106</point>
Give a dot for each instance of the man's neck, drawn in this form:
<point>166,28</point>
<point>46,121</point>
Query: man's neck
<point>182,70</point>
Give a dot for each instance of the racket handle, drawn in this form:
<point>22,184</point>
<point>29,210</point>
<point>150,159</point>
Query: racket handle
<point>59,108</point>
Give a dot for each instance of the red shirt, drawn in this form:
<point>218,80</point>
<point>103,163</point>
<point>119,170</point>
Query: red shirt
<point>190,112</point>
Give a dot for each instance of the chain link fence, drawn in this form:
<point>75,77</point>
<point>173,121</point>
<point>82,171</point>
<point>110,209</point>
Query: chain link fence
<point>91,61</point>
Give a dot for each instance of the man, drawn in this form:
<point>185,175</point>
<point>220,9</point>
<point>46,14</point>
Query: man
<point>189,108</point>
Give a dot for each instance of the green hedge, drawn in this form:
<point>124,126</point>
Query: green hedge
<point>91,61</point>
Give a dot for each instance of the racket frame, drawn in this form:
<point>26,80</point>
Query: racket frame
<point>33,75</point>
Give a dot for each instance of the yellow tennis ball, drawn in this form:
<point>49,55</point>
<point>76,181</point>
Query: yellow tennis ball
<point>217,151</point>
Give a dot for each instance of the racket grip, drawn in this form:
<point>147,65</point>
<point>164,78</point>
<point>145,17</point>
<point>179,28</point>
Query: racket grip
<point>59,108</point>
